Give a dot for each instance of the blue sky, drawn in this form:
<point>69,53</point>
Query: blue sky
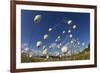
<point>31,32</point>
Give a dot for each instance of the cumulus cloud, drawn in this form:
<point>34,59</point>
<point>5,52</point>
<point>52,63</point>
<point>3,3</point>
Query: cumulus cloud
<point>24,45</point>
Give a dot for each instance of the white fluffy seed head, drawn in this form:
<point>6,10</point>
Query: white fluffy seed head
<point>64,49</point>
<point>50,29</point>
<point>69,21</point>
<point>39,43</point>
<point>74,26</point>
<point>69,31</point>
<point>45,52</point>
<point>37,18</point>
<point>45,36</point>
<point>70,35</point>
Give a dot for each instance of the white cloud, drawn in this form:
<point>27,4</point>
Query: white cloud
<point>24,45</point>
<point>83,44</point>
<point>53,45</point>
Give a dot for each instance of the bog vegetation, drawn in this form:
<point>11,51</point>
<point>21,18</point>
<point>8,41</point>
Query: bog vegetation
<point>84,55</point>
